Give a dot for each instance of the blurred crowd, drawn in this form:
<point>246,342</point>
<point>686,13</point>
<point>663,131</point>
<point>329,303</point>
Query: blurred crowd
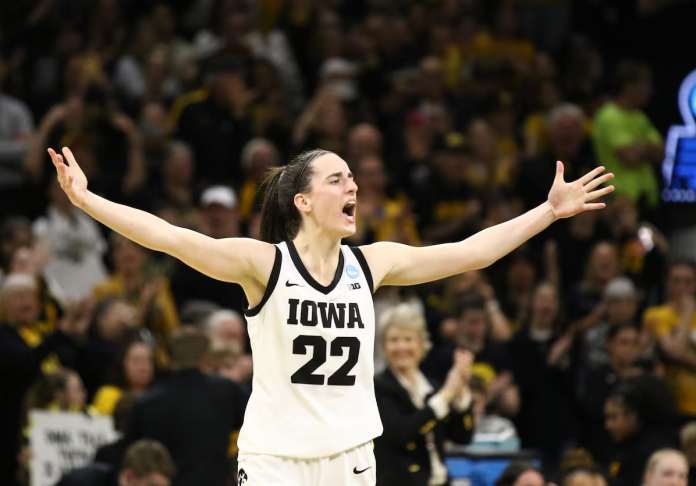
<point>450,113</point>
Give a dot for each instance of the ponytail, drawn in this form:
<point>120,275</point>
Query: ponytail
<point>280,219</point>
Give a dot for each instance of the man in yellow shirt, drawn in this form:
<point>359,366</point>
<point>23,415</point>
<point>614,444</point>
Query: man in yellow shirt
<point>674,326</point>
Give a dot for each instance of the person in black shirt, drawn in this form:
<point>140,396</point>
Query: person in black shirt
<point>216,121</point>
<point>112,454</point>
<point>192,414</point>
<point>541,356</point>
<point>596,383</point>
<point>640,417</point>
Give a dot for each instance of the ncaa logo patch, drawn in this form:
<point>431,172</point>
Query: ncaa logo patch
<point>352,272</point>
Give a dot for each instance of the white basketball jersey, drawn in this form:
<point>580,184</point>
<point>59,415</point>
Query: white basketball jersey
<point>313,391</point>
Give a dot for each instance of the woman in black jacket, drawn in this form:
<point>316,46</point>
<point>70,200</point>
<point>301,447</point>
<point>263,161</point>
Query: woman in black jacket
<point>417,416</point>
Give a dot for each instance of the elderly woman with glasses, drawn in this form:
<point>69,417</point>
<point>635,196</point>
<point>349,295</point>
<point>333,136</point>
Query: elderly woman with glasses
<point>418,414</point>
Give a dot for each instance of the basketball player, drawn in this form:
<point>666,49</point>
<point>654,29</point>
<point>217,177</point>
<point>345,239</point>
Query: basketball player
<point>312,414</point>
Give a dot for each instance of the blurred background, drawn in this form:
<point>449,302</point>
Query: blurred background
<point>451,114</point>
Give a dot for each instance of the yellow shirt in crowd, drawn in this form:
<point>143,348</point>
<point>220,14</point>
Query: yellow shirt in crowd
<point>661,321</point>
<point>106,399</point>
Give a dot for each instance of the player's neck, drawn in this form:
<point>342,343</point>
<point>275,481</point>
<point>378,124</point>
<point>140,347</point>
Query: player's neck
<point>319,254</point>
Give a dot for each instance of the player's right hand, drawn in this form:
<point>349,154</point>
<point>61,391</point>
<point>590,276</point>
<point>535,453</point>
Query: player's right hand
<point>71,178</point>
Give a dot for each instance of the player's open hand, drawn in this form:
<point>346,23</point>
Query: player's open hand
<point>71,178</point>
<point>570,198</point>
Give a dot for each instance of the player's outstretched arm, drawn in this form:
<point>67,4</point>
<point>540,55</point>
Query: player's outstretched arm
<point>238,260</point>
<point>395,264</point>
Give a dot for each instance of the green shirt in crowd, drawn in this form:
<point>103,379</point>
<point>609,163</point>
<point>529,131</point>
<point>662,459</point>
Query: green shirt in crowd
<point>615,128</point>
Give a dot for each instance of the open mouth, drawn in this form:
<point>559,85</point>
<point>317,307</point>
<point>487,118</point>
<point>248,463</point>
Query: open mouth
<point>349,211</point>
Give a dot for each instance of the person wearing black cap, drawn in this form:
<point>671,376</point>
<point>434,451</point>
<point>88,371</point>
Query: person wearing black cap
<point>215,120</point>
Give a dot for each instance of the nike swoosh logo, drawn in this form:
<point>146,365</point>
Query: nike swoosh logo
<point>288,284</point>
<point>355,470</point>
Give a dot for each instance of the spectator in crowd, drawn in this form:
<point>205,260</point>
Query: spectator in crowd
<point>540,354</point>
<point>417,419</point>
<point>206,411</point>
<point>566,142</point>
<point>258,156</point>
<point>521,474</point>
<point>383,218</point>
<point>75,248</point>
<point>491,429</point>
<point>491,361</point>
<point>620,304</point>
<point>448,208</point>
<point>60,391</point>
<point>28,348</point>
<point>667,467</point>
<point>584,302</point>
<point>219,219</point>
<point>584,477</point>
<point>364,140</point>
<point>175,191</point>
<point>672,324</point>
<point>111,319</point>
<point>146,463</point>
<point>215,122</point>
<point>227,327</point>
<point>133,369</point>
<point>688,447</point>
<point>595,384</point>
<point>15,233</point>
<point>626,142</point>
<point>642,247</point>
<point>475,281</point>
<point>152,296</point>
<point>112,454</point>
<point>16,132</point>
<point>640,415</point>
<point>143,74</point>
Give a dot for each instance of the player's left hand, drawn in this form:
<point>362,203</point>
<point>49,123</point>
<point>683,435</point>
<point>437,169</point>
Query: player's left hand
<point>570,198</point>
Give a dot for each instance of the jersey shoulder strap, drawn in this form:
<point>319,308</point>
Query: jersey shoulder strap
<point>365,268</point>
<point>270,286</point>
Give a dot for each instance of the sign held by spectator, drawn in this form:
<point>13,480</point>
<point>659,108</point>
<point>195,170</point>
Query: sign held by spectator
<point>62,441</point>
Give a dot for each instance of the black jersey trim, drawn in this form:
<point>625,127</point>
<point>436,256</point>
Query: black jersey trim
<point>308,277</point>
<point>365,267</point>
<point>272,281</point>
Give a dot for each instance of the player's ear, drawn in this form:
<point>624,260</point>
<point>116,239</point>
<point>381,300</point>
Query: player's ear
<point>302,203</point>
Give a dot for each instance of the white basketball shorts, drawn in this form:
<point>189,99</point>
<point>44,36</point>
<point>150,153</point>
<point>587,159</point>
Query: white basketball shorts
<point>355,467</point>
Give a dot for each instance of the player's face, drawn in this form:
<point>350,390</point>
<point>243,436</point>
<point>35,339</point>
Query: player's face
<point>333,202</point>
<point>403,349</point>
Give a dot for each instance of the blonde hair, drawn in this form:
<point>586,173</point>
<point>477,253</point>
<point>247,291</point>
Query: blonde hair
<point>663,454</point>
<point>688,435</point>
<point>406,316</point>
